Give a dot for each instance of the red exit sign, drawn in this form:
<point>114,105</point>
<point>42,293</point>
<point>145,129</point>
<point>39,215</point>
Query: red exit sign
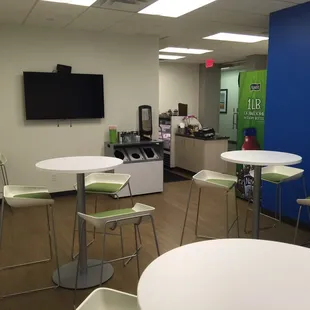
<point>209,63</point>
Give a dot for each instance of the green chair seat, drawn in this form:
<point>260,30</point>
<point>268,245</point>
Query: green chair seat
<point>39,195</point>
<point>104,187</point>
<point>274,177</point>
<point>114,213</point>
<point>223,183</point>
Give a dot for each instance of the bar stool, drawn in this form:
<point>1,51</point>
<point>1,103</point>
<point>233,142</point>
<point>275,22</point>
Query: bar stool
<point>103,184</point>
<point>29,196</point>
<point>305,202</point>
<point>108,299</point>
<point>140,213</point>
<point>211,179</point>
<point>278,175</point>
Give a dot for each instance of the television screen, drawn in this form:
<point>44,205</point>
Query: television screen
<point>63,96</point>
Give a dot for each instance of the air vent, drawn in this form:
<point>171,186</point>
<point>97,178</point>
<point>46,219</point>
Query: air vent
<point>123,5</point>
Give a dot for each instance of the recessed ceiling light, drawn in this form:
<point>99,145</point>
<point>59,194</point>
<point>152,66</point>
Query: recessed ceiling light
<point>74,2</point>
<point>173,8</point>
<point>181,50</point>
<point>234,37</point>
<point>170,57</point>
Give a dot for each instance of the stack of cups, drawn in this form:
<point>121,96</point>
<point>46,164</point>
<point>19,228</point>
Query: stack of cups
<point>113,134</point>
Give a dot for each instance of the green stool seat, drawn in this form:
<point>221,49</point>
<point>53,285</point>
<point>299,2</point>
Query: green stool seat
<point>103,187</point>
<point>221,182</point>
<point>274,177</point>
<point>38,195</point>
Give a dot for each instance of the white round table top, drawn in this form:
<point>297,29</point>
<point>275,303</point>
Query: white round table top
<point>79,164</point>
<point>238,274</point>
<point>261,158</point>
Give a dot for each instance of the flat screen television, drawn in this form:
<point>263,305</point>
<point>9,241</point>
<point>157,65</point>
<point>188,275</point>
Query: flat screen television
<point>63,96</point>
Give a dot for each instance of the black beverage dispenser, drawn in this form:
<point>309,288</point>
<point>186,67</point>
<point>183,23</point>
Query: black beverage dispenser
<point>145,122</point>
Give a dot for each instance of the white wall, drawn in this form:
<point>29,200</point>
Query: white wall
<point>130,68</point>
<point>229,80</point>
<point>178,83</point>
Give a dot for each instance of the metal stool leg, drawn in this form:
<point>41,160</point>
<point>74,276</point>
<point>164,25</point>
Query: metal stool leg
<point>121,231</point>
<point>137,247</point>
<point>55,245</point>
<point>227,216</point>
<point>237,213</point>
<point>4,175</point>
<point>297,224</point>
<point>133,204</point>
<point>186,212</point>
<point>197,216</point>
<point>246,218</point>
<point>276,211</point>
<point>103,250</point>
<point>280,203</point>
<point>49,231</point>
<point>76,277</point>
<point>155,236</point>
<point>1,220</point>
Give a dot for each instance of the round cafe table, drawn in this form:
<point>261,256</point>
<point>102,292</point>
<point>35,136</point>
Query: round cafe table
<point>237,274</point>
<point>258,159</point>
<point>89,269</point>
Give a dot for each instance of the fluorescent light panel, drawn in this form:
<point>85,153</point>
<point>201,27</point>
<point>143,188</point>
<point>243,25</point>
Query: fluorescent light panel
<point>181,50</point>
<point>174,8</point>
<point>234,37</point>
<point>170,57</point>
<point>74,2</point>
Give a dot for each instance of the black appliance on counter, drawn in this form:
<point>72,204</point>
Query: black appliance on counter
<point>207,133</point>
<point>145,122</point>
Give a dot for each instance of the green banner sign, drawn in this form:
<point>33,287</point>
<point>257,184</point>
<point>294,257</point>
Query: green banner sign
<point>251,120</point>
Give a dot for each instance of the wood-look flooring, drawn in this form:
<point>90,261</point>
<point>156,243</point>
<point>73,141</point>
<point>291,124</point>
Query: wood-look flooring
<point>25,238</point>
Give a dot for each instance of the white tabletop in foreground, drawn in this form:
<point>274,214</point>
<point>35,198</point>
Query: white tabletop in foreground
<point>79,164</point>
<point>237,274</point>
<point>261,158</point>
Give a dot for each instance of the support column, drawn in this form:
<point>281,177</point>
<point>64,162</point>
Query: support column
<point>209,96</point>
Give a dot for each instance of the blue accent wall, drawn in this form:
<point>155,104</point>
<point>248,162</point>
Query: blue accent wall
<point>287,120</point>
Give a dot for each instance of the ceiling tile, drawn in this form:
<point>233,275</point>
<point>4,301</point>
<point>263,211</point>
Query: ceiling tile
<point>145,24</point>
<point>98,19</point>
<point>15,11</point>
<point>220,15</point>
<point>262,7</point>
<point>53,14</point>
<point>132,6</point>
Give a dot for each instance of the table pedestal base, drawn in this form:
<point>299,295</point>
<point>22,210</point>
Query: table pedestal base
<point>88,280</point>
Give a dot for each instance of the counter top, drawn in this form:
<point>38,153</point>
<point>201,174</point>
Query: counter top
<point>140,143</point>
<point>216,137</point>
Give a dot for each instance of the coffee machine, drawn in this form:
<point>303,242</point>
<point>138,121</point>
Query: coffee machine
<point>145,122</point>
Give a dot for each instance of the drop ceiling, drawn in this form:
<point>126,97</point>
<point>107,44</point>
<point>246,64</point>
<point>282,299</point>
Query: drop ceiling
<point>120,16</point>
